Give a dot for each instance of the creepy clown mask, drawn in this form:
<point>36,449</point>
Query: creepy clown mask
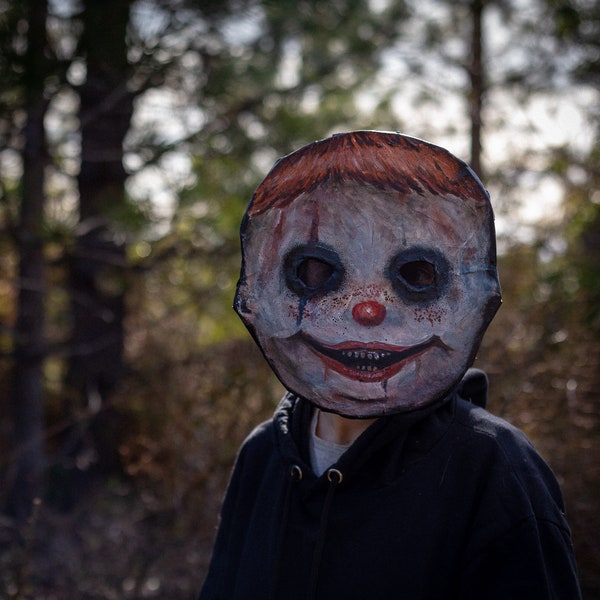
<point>369,272</point>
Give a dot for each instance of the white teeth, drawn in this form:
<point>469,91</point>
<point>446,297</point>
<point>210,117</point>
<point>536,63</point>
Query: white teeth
<point>365,355</point>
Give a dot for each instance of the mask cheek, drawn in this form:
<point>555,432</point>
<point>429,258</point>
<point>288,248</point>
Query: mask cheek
<point>465,319</point>
<point>325,312</point>
<point>270,312</point>
<point>443,317</point>
<point>432,317</point>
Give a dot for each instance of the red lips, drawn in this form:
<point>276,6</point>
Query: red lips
<point>372,361</point>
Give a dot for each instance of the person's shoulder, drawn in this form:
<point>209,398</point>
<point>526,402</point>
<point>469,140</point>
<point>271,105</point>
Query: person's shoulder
<point>472,420</point>
<point>265,432</point>
<point>481,423</point>
<point>495,440</point>
<point>264,443</point>
<point>261,437</point>
<point>504,449</point>
<point>255,452</point>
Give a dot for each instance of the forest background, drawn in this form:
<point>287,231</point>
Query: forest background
<point>132,133</point>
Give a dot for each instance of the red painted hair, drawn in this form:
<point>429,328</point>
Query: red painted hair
<point>380,159</point>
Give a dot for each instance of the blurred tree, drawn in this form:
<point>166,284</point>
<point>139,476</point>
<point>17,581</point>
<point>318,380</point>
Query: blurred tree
<point>97,264</point>
<point>476,71</point>
<point>576,288</point>
<point>30,70</point>
<point>577,25</point>
<point>98,261</point>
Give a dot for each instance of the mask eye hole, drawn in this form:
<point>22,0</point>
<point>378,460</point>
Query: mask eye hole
<point>418,274</point>
<point>312,270</point>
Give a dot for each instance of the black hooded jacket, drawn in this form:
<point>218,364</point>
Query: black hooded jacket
<point>445,503</point>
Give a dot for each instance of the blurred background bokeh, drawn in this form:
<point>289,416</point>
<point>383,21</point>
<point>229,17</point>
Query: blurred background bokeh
<point>132,133</point>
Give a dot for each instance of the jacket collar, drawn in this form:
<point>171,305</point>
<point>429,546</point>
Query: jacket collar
<point>386,445</point>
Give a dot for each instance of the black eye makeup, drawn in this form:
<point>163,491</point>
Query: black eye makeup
<point>312,270</point>
<point>419,274</point>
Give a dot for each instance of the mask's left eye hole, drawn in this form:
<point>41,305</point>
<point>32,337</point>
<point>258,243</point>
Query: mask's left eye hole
<point>419,274</point>
<point>312,269</point>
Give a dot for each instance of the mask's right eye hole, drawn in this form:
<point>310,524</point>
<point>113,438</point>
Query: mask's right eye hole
<point>312,270</point>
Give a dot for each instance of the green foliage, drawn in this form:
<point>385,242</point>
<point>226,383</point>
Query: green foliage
<point>582,261</point>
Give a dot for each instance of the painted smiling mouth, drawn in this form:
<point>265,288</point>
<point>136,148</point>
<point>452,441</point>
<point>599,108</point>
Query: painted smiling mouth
<point>371,361</point>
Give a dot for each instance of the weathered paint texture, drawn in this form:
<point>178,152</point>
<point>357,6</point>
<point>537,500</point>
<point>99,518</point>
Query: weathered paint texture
<point>369,272</point>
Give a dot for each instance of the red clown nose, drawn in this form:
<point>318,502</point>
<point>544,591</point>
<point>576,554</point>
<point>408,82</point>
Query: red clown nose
<point>369,313</point>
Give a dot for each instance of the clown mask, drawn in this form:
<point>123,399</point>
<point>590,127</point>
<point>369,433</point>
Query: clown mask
<point>369,272</point>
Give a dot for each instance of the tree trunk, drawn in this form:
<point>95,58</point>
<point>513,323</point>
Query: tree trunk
<point>97,267</point>
<point>26,479</point>
<point>477,80</point>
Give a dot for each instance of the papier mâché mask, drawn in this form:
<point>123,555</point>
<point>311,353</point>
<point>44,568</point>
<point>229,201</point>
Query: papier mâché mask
<point>369,272</point>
